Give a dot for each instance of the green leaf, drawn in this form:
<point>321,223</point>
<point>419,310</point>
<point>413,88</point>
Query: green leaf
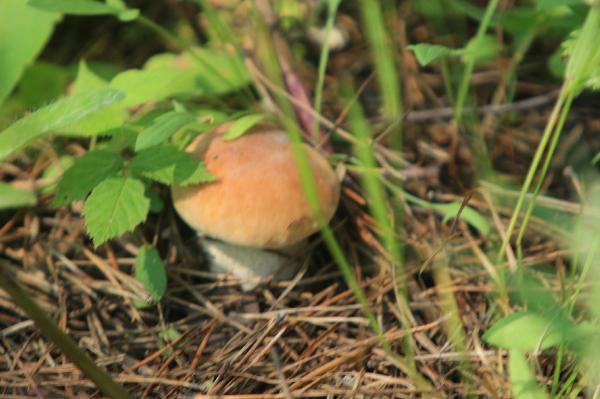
<point>479,49</point>
<point>216,71</point>
<point>156,203</point>
<point>84,7</point>
<point>169,165</point>
<point>528,291</point>
<point>544,5</point>
<point>242,125</point>
<point>23,33</point>
<point>54,116</point>
<point>556,64</point>
<point>468,214</point>
<point>170,335</point>
<point>162,128</point>
<point>211,72</point>
<point>108,118</point>
<point>11,197</point>
<point>451,210</point>
<point>115,206</point>
<point>42,83</point>
<point>584,56</point>
<point>143,86</point>
<point>167,337</point>
<point>528,331</point>
<point>150,271</point>
<point>85,174</point>
<point>427,53</point>
<point>54,172</point>
<point>522,379</point>
<point>87,80</point>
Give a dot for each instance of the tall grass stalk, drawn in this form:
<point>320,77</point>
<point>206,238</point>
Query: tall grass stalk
<point>385,66</point>
<point>558,129</point>
<point>336,251</point>
<point>463,88</point>
<point>582,61</point>
<point>531,173</point>
<point>379,208</point>
<point>453,325</point>
<point>268,59</point>
<point>332,6</point>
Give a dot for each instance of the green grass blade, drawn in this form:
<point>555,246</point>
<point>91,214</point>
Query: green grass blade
<point>332,6</point>
<point>374,190</point>
<point>544,171</point>
<point>385,66</point>
<point>531,173</point>
<point>336,251</point>
<point>379,209</point>
<point>463,88</point>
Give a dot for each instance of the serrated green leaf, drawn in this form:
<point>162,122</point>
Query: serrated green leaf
<point>162,128</point>
<point>584,55</point>
<point>121,138</point>
<point>104,120</point>
<point>84,7</point>
<point>85,174</point>
<point>169,165</point>
<point>427,53</point>
<point>116,205</point>
<point>23,33</point>
<point>522,379</point>
<point>150,271</point>
<point>54,116</point>
<point>11,197</point>
<point>242,125</point>
<point>528,331</point>
<point>556,64</point>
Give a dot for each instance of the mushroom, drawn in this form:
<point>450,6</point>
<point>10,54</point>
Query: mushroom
<point>254,219</point>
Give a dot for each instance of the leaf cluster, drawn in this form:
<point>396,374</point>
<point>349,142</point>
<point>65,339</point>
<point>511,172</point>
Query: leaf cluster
<point>137,121</point>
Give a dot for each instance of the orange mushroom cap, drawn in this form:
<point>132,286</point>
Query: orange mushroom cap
<point>257,199</point>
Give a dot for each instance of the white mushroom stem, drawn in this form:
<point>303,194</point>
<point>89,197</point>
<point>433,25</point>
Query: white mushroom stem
<point>251,265</point>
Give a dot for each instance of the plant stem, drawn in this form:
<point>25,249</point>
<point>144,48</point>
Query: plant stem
<point>470,64</point>
<point>332,6</point>
<point>531,173</point>
<point>545,166</point>
<point>385,66</point>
